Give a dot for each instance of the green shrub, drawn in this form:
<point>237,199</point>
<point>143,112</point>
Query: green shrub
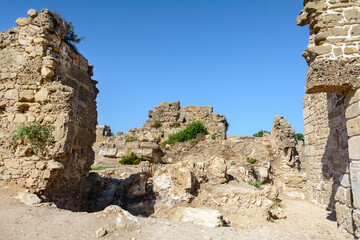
<point>34,135</point>
<point>156,124</point>
<point>260,133</point>
<point>299,137</point>
<point>144,140</point>
<point>129,158</point>
<point>213,136</point>
<point>256,183</point>
<point>129,139</point>
<point>191,131</point>
<point>251,160</point>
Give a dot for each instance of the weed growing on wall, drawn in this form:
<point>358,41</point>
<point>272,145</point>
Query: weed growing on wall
<point>33,135</point>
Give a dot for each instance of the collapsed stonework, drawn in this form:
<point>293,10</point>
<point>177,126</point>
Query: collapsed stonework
<point>165,119</point>
<point>207,173</point>
<point>43,79</point>
<point>332,108</point>
<point>169,117</point>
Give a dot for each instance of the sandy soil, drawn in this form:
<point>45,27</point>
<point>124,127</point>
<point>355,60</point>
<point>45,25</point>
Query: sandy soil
<point>19,221</point>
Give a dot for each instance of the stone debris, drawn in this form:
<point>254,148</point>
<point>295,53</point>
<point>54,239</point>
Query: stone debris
<point>100,233</point>
<point>200,216</point>
<point>29,198</point>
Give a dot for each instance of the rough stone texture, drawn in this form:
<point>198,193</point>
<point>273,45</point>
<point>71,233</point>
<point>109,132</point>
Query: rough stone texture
<point>44,79</point>
<point>333,50</point>
<point>204,217</point>
<point>165,119</point>
<point>289,171</point>
<point>331,121</point>
<point>169,118</point>
<point>174,184</point>
<point>326,148</point>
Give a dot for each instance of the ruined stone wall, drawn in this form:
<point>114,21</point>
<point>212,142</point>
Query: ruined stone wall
<point>326,149</point>
<point>45,80</point>
<point>333,58</point>
<point>289,169</point>
<point>172,118</point>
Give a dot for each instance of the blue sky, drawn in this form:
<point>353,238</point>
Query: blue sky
<point>243,57</point>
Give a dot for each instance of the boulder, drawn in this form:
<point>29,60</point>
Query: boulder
<point>29,198</point>
<point>174,184</point>
<point>200,216</point>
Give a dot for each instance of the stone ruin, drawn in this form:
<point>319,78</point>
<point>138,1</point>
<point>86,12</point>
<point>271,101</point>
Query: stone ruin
<point>332,108</point>
<point>210,173</point>
<point>165,119</point>
<point>44,79</point>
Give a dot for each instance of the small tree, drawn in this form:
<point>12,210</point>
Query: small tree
<point>71,37</point>
<point>299,137</point>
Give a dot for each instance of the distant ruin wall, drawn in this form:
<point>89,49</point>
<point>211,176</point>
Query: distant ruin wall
<point>168,118</point>
<point>331,121</point>
<point>44,80</point>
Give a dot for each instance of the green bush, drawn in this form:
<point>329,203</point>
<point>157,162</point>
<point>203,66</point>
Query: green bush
<point>34,135</point>
<point>260,133</point>
<point>251,160</point>
<point>299,137</point>
<point>213,136</point>
<point>191,131</point>
<point>129,158</point>
<point>129,139</point>
<point>144,140</point>
<point>156,124</point>
<point>256,183</point>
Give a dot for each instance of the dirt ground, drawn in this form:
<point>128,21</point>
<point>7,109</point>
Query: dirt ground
<point>19,221</point>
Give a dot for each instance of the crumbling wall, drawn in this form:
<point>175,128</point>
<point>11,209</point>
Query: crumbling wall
<point>289,170</point>
<point>168,118</point>
<point>165,119</point>
<point>331,128</point>
<point>45,80</point>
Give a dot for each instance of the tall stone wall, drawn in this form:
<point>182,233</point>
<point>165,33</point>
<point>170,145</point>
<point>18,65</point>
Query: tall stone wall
<point>331,120</point>
<point>43,79</point>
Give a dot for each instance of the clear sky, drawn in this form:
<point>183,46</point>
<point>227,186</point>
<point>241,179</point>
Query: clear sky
<point>243,57</point>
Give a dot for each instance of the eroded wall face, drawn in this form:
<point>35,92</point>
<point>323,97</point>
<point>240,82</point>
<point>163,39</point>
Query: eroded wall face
<point>327,157</point>
<point>333,50</point>
<point>333,58</point>
<point>44,80</point>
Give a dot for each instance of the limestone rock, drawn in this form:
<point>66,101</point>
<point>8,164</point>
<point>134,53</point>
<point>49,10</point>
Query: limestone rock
<point>100,233</point>
<point>22,21</point>
<point>29,198</point>
<point>174,184</point>
<point>216,170</point>
<point>32,13</point>
<point>200,216</point>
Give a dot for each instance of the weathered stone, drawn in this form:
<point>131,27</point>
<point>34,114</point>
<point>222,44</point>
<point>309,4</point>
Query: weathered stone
<point>200,216</point>
<point>32,13</point>
<point>26,64</point>
<point>22,21</point>
<point>27,95</point>
<point>173,184</point>
<point>29,198</point>
<point>100,232</point>
<point>42,95</point>
<point>355,182</point>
